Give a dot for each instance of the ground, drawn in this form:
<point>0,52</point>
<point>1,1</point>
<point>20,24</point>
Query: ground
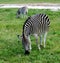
<point>11,50</point>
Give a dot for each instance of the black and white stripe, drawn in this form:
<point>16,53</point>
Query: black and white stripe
<point>40,21</point>
<point>37,25</point>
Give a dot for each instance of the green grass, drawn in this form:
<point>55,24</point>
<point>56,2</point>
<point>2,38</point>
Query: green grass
<point>29,1</point>
<point>11,50</point>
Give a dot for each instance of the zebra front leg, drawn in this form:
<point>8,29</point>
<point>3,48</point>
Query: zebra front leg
<point>41,39</point>
<point>45,39</point>
<point>29,43</point>
<point>36,36</point>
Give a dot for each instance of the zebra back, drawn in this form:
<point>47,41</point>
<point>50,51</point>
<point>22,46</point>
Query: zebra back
<point>38,23</point>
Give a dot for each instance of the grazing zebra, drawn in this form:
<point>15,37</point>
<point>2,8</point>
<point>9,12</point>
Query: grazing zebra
<point>37,25</point>
<point>22,11</point>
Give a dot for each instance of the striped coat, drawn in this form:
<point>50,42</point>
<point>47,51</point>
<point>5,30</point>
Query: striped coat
<point>37,25</point>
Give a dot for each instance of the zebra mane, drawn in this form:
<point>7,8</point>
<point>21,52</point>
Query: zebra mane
<point>26,22</point>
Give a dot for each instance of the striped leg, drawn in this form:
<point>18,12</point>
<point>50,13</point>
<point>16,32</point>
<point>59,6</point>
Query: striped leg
<point>29,43</point>
<point>41,39</point>
<point>45,39</point>
<point>36,36</point>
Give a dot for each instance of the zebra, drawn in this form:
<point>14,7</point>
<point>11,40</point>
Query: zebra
<point>37,25</point>
<point>22,11</point>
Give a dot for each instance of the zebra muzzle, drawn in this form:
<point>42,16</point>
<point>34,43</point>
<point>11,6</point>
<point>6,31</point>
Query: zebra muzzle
<point>27,52</point>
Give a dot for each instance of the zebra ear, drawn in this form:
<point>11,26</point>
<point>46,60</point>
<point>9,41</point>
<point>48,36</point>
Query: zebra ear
<point>19,37</point>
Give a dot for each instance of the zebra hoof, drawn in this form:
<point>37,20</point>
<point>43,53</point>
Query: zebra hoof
<point>27,52</point>
<point>41,46</point>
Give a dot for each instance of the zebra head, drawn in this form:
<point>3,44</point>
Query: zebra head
<point>25,44</point>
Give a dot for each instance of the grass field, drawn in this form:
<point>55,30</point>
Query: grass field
<point>11,50</point>
<point>29,1</point>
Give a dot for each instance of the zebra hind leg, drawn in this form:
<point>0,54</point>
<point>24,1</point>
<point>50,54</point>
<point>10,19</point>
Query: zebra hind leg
<point>41,44</point>
<point>45,34</point>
